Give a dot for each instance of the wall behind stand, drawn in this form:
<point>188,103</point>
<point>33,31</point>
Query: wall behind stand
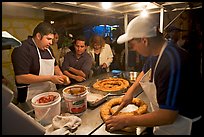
<point>20,23</point>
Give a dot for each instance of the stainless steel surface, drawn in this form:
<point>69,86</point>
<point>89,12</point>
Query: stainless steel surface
<point>91,119</point>
<point>102,131</point>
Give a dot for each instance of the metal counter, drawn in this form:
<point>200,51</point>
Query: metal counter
<point>92,124</point>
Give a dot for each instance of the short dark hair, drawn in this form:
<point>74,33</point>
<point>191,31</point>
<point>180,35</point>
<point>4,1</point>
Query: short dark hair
<point>81,38</point>
<point>44,28</point>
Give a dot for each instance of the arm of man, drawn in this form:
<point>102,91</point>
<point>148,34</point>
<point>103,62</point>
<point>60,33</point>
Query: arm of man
<point>30,78</point>
<point>156,118</point>
<point>76,77</point>
<point>77,72</point>
<point>136,86</point>
<point>86,66</point>
<point>127,98</point>
<point>58,71</point>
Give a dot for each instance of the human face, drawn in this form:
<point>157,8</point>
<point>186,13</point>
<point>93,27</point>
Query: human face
<point>45,41</point>
<point>97,44</point>
<point>80,47</point>
<point>140,46</point>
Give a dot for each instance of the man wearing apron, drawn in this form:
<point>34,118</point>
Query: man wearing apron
<point>35,68</point>
<point>165,83</point>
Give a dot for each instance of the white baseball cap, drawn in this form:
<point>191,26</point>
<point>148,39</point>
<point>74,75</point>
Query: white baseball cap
<point>139,27</point>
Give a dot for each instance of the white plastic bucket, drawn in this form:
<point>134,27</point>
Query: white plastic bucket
<point>45,112</point>
<point>76,99</point>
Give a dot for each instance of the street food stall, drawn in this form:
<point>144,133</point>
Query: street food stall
<point>90,121</point>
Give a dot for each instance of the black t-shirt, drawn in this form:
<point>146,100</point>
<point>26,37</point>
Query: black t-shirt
<point>25,58</point>
<point>175,82</point>
<point>97,59</point>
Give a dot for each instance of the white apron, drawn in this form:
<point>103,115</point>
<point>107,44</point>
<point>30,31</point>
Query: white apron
<point>182,125</point>
<point>46,68</point>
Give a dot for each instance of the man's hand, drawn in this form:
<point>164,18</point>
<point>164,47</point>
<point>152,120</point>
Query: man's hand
<point>79,78</point>
<point>57,79</point>
<point>104,65</point>
<point>66,80</point>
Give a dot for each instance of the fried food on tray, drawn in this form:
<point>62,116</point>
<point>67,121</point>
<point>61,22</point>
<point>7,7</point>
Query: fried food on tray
<point>111,84</point>
<point>106,110</point>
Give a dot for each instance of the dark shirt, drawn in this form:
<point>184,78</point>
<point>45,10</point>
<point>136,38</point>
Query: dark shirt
<point>150,63</point>
<point>97,60</point>
<point>84,63</point>
<point>25,60</point>
<point>175,82</point>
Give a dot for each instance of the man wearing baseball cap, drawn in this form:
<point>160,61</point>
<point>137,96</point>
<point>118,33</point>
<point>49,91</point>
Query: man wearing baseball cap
<point>167,84</point>
<point>173,34</point>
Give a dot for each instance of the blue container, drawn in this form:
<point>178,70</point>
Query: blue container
<point>116,73</point>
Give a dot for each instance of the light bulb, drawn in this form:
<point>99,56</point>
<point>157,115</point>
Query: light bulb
<point>106,5</point>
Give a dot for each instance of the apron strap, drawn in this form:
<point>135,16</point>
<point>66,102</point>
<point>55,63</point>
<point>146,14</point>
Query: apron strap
<point>39,51</point>
<point>50,52</point>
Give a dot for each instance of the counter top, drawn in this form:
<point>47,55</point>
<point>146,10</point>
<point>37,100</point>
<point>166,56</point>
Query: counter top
<point>92,124</point>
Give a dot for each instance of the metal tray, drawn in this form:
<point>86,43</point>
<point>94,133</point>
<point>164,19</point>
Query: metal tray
<point>102,95</point>
<point>98,99</point>
<point>94,99</point>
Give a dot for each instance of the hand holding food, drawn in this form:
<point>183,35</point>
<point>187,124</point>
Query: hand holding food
<point>57,79</point>
<point>106,110</point>
<point>66,80</point>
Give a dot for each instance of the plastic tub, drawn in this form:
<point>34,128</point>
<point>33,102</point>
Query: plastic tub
<point>45,112</point>
<point>116,73</point>
<point>76,99</point>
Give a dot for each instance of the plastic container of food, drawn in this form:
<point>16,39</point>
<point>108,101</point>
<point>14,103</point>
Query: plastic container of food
<point>116,73</point>
<point>46,106</point>
<point>76,99</point>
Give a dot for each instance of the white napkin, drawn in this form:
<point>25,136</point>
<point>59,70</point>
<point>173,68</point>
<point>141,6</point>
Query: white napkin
<point>60,131</point>
<point>61,125</point>
<point>139,130</point>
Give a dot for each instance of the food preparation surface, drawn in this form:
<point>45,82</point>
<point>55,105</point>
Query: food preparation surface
<point>92,124</point>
